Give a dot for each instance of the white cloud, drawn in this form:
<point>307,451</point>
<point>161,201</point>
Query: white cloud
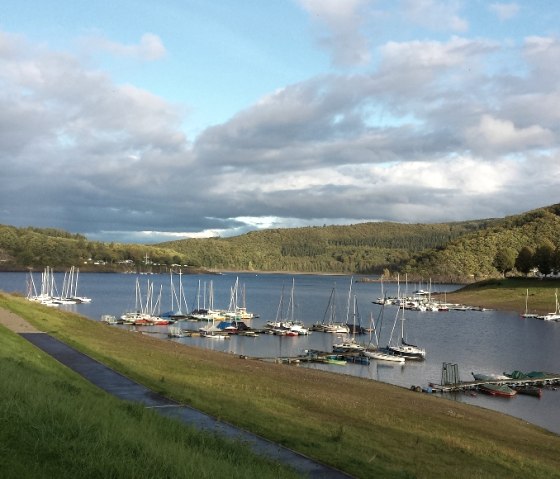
<point>436,14</point>
<point>149,48</point>
<point>504,11</point>
<point>344,21</point>
<point>493,134</point>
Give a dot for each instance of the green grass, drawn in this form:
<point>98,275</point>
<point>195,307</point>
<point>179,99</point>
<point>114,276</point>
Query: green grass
<point>509,294</point>
<point>366,428</point>
<point>55,424</point>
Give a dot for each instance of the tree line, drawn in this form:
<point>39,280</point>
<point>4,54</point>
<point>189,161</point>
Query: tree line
<point>455,252</point>
<point>545,259</point>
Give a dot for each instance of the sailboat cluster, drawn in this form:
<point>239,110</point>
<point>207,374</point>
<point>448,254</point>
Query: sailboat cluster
<point>397,350</point>
<point>222,323</point>
<point>49,294</point>
<point>148,309</point>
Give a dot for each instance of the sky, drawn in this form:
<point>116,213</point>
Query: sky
<point>142,121</point>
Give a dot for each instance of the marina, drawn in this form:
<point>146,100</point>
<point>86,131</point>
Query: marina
<point>477,340</point>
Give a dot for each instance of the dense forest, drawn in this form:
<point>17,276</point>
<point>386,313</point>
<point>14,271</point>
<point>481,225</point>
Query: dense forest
<point>367,248</point>
<point>23,248</point>
<point>535,234</point>
<point>458,251</point>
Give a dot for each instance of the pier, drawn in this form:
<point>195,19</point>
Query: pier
<point>450,381</point>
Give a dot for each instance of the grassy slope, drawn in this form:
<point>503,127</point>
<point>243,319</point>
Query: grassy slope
<point>53,423</point>
<point>510,294</point>
<point>367,428</point>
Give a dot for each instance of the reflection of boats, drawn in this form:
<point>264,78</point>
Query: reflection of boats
<point>497,390</point>
<point>401,347</point>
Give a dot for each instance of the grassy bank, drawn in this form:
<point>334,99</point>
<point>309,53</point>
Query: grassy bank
<point>509,294</point>
<point>366,428</point>
<point>53,423</point>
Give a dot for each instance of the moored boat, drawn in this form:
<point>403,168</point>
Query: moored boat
<point>383,356</point>
<point>402,347</point>
<point>497,390</point>
<point>528,390</point>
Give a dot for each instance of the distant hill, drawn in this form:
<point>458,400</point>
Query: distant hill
<point>471,256</point>
<point>361,248</point>
<point>22,248</point>
<point>458,251</point>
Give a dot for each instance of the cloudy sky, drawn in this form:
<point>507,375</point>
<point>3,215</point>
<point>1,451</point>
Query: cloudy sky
<point>143,121</point>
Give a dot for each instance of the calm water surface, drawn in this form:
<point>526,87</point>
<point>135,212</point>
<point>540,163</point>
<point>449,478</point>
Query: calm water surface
<point>489,341</point>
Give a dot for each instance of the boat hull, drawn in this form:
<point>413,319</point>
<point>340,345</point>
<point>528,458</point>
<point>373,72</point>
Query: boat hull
<point>497,390</point>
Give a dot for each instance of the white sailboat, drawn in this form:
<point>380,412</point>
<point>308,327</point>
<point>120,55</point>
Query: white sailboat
<point>555,316</point>
<point>329,323</point>
<point>285,323</point>
<point>350,344</point>
<point>373,351</point>
<point>145,313</point>
<point>48,287</point>
<point>401,346</point>
<point>526,314</point>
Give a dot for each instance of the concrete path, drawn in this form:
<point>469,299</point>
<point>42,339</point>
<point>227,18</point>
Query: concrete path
<point>124,388</point>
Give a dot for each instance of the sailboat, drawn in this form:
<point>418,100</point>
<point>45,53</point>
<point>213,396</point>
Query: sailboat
<point>235,311</point>
<point>73,290</point>
<point>373,351</point>
<point>48,287</point>
<point>286,323</point>
<point>401,347</point>
<point>329,323</point>
<point>526,314</point>
<point>178,301</point>
<point>555,316</point>
<point>144,313</point>
<point>350,344</point>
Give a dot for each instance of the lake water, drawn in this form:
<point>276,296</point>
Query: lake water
<point>477,341</point>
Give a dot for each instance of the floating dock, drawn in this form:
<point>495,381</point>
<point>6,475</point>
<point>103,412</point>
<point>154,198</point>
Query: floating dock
<point>450,381</point>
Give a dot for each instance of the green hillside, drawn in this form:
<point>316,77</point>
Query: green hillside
<point>22,248</point>
<point>458,251</point>
<point>360,248</point>
<point>472,256</point>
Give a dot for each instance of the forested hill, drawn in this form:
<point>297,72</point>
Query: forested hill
<point>473,256</point>
<point>458,251</point>
<point>360,248</point>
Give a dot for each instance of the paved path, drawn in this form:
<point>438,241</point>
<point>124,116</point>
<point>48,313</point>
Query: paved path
<point>124,388</point>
